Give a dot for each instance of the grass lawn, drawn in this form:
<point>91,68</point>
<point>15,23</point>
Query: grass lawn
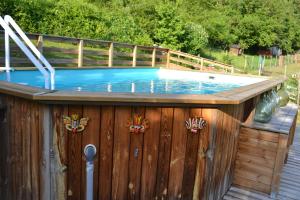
<point>250,63</point>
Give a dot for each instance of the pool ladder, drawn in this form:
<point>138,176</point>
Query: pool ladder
<point>29,49</point>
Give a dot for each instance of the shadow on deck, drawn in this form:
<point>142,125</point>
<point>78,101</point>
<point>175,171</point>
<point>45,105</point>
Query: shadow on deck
<point>290,179</point>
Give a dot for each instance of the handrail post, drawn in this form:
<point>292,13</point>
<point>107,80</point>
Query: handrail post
<point>134,56</point>
<point>30,50</point>
<point>202,64</point>
<point>168,58</point>
<point>26,51</point>
<point>110,54</point>
<point>7,55</point>
<point>40,43</point>
<point>7,51</point>
<point>232,70</point>
<point>80,53</point>
<point>153,57</point>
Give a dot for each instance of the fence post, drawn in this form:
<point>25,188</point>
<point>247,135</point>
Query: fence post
<point>40,43</point>
<point>245,63</point>
<point>134,56</point>
<point>168,59</point>
<point>271,62</point>
<point>110,54</point>
<point>285,69</point>
<point>202,63</point>
<point>232,69</point>
<point>260,65</point>
<point>298,98</point>
<point>153,57</point>
<point>80,53</point>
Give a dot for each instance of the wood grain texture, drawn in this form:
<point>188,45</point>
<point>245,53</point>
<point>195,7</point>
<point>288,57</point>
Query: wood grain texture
<point>135,158</point>
<point>91,135</point>
<point>121,153</point>
<point>106,152</point>
<point>4,142</point>
<point>204,161</point>
<point>178,153</point>
<point>260,159</point>
<point>217,156</point>
<point>60,148</point>
<point>74,158</point>
<point>191,155</point>
<point>165,142</point>
<point>35,151</point>
<point>279,162</point>
<point>150,153</point>
<point>166,162</point>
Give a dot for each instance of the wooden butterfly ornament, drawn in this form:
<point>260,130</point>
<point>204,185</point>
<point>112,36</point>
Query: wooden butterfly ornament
<point>74,124</point>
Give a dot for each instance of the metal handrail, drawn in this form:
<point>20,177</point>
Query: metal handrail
<point>38,59</point>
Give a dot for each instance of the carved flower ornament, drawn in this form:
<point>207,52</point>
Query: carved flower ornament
<point>74,124</point>
<point>137,124</point>
<point>194,124</point>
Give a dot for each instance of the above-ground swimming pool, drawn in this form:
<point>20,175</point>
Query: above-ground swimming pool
<point>134,80</point>
<point>159,133</point>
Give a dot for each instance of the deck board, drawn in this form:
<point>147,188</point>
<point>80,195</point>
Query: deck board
<point>290,179</point>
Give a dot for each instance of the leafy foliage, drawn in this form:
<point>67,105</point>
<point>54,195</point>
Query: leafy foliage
<point>184,25</point>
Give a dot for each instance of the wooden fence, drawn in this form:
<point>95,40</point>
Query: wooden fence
<point>75,52</point>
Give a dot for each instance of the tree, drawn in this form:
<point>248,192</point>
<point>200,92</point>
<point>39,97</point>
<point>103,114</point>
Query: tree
<point>170,29</point>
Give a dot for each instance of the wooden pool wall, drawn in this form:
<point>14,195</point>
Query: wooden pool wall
<point>40,159</point>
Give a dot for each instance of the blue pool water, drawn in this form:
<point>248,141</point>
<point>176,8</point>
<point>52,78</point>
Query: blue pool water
<point>157,81</point>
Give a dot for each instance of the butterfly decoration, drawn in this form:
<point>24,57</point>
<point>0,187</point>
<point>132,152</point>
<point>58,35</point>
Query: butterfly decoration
<point>137,124</point>
<point>74,124</point>
<point>194,124</point>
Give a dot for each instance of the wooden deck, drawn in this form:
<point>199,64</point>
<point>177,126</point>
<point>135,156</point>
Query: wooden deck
<point>290,180</point>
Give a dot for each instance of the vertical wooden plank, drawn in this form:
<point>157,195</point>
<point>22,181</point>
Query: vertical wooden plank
<point>168,59</point>
<point>150,154</point>
<point>13,118</point>
<point>177,153</point>
<point>35,150</point>
<point>40,43</point>
<point>74,158</point>
<point>202,64</point>
<point>165,142</point>
<point>111,55</point>
<point>135,159</point>
<point>91,135</point>
<point>153,57</point>
<point>121,153</point>
<point>22,161</point>
<point>45,128</point>
<point>279,162</point>
<point>190,159</point>
<point>19,179</point>
<point>106,152</point>
<point>239,114</point>
<point>26,157</point>
<point>226,148</point>
<point>4,145</point>
<point>60,148</point>
<point>216,154</point>
<point>80,53</point>
<point>134,56</point>
<point>227,131</point>
<point>204,161</point>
